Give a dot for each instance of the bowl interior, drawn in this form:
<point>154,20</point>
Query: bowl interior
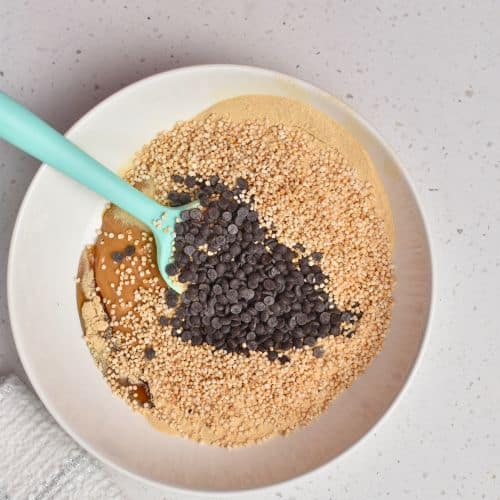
<point>59,217</point>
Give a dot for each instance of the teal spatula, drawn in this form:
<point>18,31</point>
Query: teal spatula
<point>23,129</point>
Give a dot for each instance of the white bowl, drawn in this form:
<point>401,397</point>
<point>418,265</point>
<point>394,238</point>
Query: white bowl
<point>58,217</point>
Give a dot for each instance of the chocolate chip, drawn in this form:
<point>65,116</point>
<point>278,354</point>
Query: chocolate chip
<point>324,318</point>
<point>189,250</point>
<point>212,274</point>
<point>195,214</point>
<point>272,322</point>
<point>163,320</point>
<point>318,352</point>
<point>117,256</point>
<point>260,306</point>
<point>232,295</point>
<point>309,341</point>
<point>197,340</point>
<point>301,319</point>
<point>245,317</point>
<point>242,183</point>
<point>269,285</point>
<point>186,335</point>
<point>171,269</point>
<point>317,256</point>
<point>268,300</point>
<point>190,181</point>
<point>196,308</point>
<point>272,355</point>
<point>246,293</point>
<point>185,277</point>
<point>252,345</point>
<point>149,353</point>
<point>323,330</point>
<point>235,284</point>
<point>171,297</point>
<point>236,308</point>
<point>129,250</point>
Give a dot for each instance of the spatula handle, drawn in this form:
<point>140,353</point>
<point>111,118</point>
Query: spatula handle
<point>23,129</point>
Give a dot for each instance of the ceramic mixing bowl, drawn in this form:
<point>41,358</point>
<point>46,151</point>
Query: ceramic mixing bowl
<point>58,217</point>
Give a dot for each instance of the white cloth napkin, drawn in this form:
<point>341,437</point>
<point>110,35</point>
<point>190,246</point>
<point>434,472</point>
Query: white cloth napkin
<point>38,460</point>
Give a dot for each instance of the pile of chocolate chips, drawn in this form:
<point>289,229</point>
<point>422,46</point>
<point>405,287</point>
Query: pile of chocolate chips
<point>245,291</point>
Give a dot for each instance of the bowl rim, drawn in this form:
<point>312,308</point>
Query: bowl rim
<point>310,88</point>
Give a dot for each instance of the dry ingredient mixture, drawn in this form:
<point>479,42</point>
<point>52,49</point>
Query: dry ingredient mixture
<point>287,272</point>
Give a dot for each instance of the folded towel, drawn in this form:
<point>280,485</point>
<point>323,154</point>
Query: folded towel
<point>38,460</point>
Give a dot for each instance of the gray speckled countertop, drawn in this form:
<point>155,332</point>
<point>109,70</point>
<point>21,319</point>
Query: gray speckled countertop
<point>426,74</point>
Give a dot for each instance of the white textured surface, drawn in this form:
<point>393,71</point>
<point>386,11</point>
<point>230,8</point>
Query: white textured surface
<point>38,460</point>
<point>426,74</point>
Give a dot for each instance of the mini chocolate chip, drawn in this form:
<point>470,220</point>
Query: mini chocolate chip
<point>189,250</point>
<point>268,300</point>
<point>269,284</point>
<point>196,340</point>
<point>163,321</point>
<point>259,306</point>
<point>318,352</point>
<point>186,335</point>
<point>272,322</point>
<point>301,319</point>
<point>195,214</point>
<point>309,341</point>
<point>323,330</point>
<point>275,308</point>
<point>241,183</point>
<point>232,295</point>
<point>190,181</point>
<point>117,256</point>
<point>252,216</point>
<point>171,297</point>
<point>345,317</point>
<point>246,293</point>
<point>129,250</point>
<point>185,276</point>
<point>317,256</point>
<point>196,308</point>
<point>234,284</point>
<point>246,318</point>
<point>220,268</point>
<point>149,353</point>
<point>324,318</point>
<point>252,345</point>
<point>236,308</point>
<point>272,355</point>
<point>171,269</point>
<point>212,274</point>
